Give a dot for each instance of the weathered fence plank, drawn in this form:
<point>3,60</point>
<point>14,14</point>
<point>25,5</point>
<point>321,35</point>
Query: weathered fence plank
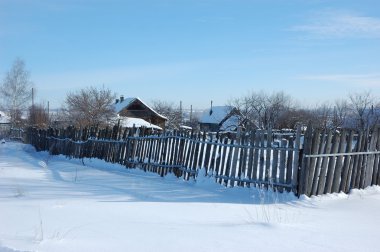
<point>347,161</point>
<point>236,151</point>
<point>339,163</point>
<point>303,182</point>
<point>312,161</point>
<point>371,159</point>
<point>317,170</point>
<point>289,165</point>
<point>331,166</point>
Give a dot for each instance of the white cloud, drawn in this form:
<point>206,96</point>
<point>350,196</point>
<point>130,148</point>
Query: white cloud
<point>337,24</point>
<point>358,80</point>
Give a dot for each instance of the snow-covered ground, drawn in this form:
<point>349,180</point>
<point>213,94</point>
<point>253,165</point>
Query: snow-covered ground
<point>56,204</point>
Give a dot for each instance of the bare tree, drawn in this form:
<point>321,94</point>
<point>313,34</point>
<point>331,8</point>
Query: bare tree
<point>169,111</point>
<point>362,106</point>
<point>276,104</point>
<point>340,113</point>
<point>90,106</point>
<point>322,115</point>
<point>295,116</point>
<point>244,106</point>
<point>263,109</point>
<point>16,91</point>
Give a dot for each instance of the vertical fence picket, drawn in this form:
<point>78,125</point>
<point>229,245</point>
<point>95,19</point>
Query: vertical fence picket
<point>234,163</point>
<point>274,171</point>
<point>331,166</point>
<point>194,166</point>
<point>228,163</point>
<point>217,150</point>
<point>317,170</point>
<point>289,166</point>
<point>256,156</point>
<point>188,158</point>
<point>202,152</point>
<point>302,185</point>
<point>347,161</point>
<point>312,161</point>
<point>362,159</point>
<point>207,151</point>
<point>262,156</point>
<point>376,161</point>
<point>224,157</point>
<point>243,161</point>
<point>282,163</point>
<point>268,154</point>
<point>251,151</point>
<point>371,159</point>
<point>339,163</point>
<point>355,167</point>
<point>365,162</point>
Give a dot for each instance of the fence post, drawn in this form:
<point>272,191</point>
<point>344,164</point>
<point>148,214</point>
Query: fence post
<point>371,158</point>
<point>313,161</point>
<point>302,183</point>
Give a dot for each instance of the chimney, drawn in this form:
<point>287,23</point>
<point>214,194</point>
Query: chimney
<point>121,98</point>
<point>211,109</point>
<point>117,101</point>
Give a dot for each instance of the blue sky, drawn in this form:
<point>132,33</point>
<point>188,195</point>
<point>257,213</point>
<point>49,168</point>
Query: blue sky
<point>195,51</point>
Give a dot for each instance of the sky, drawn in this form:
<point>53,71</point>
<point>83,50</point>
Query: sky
<point>195,51</point>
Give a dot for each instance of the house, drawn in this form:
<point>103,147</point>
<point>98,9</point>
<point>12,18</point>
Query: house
<point>134,107</point>
<point>220,118</point>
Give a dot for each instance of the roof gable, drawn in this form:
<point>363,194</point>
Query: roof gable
<point>127,102</point>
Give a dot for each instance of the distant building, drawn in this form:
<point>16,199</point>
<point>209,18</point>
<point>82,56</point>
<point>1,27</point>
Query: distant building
<point>5,124</point>
<point>134,107</point>
<point>220,118</point>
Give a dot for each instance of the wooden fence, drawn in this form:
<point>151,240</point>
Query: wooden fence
<point>336,161</point>
<point>251,160</point>
<point>324,162</point>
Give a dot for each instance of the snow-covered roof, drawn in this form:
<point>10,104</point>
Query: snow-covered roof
<point>129,122</point>
<point>4,118</point>
<point>119,106</point>
<point>185,127</point>
<point>217,114</point>
<point>127,101</point>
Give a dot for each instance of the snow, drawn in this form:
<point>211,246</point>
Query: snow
<point>130,122</point>
<point>56,204</point>
<point>4,118</point>
<point>186,127</point>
